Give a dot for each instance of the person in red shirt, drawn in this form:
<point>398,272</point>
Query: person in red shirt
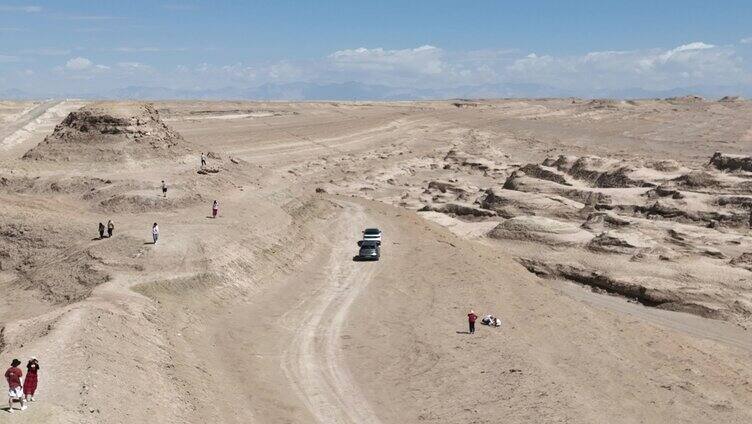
<point>15,392</point>
<point>471,317</point>
<point>30,382</point>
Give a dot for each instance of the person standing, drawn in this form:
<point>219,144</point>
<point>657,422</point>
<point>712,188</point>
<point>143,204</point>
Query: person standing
<point>15,392</point>
<point>215,209</point>
<point>164,189</point>
<point>110,228</point>
<point>471,317</point>
<point>101,231</point>
<point>155,232</point>
<point>30,382</point>
<point>203,160</point>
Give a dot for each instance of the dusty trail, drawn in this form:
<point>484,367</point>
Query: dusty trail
<point>27,117</point>
<point>313,362</point>
<point>33,126</point>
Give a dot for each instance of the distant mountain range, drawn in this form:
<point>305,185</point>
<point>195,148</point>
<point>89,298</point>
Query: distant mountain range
<point>361,91</point>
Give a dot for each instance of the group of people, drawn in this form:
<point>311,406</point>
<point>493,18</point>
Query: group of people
<point>109,229</point>
<point>21,392</point>
<point>486,320</point>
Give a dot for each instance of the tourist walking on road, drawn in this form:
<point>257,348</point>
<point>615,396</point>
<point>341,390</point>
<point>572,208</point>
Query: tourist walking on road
<point>471,317</point>
<point>215,209</point>
<point>203,160</point>
<point>155,232</point>
<point>164,189</point>
<point>110,228</point>
<point>101,231</point>
<point>30,382</point>
<point>15,392</point>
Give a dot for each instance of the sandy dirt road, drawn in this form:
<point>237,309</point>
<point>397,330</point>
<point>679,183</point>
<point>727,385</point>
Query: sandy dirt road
<point>314,361</point>
<point>25,118</point>
<point>31,127</point>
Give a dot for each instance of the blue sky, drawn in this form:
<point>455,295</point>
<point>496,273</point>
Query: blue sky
<point>579,46</point>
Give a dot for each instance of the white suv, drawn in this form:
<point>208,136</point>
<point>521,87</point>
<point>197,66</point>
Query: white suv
<point>372,234</point>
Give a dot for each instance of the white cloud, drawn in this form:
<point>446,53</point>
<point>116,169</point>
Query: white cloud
<point>132,67</point>
<point>137,49</point>
<point>47,52</point>
<point>87,17</point>
<point>425,60</point>
<point>695,63</point>
<point>78,64</point>
<point>684,52</point>
<point>432,68</point>
<point>747,40</point>
<point>25,9</point>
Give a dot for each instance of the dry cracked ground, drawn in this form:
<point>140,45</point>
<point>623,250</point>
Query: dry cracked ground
<point>612,238</point>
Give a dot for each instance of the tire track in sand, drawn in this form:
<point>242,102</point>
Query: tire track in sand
<point>313,363</point>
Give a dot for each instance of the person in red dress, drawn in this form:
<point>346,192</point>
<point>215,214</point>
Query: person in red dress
<point>30,383</point>
<point>471,317</point>
<point>13,377</point>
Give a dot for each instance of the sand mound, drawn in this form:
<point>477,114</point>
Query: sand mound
<point>111,133</point>
<point>597,171</point>
<point>40,255</point>
<point>729,99</point>
<point>541,230</point>
<point>651,291</point>
<point>520,182</point>
<point>511,203</point>
<point>57,185</point>
<point>698,179</point>
<point>726,162</point>
<point>623,242</point>
<point>685,99</point>
<point>603,104</point>
<point>544,173</point>
<point>148,201</point>
<point>459,209</point>
<point>601,221</point>
<point>665,165</point>
<point>743,261</point>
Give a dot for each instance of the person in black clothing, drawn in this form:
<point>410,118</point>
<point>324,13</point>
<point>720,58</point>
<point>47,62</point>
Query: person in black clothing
<point>101,230</point>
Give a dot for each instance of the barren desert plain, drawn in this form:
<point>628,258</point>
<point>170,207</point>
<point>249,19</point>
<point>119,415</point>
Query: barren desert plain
<point>612,239</point>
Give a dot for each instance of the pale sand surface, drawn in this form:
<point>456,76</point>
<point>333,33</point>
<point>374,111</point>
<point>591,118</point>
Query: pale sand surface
<point>585,226</point>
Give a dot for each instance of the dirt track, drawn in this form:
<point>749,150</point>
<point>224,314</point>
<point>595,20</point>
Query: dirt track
<point>262,315</point>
